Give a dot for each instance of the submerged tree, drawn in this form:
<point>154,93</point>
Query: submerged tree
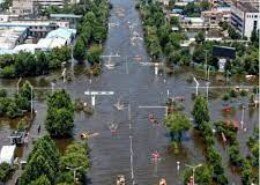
<point>42,165</point>
<point>177,123</point>
<point>60,114</point>
<point>200,111</point>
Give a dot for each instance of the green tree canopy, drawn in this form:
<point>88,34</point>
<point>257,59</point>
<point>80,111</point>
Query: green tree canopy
<point>177,123</point>
<point>200,111</point>
<point>42,164</point>
<point>60,114</point>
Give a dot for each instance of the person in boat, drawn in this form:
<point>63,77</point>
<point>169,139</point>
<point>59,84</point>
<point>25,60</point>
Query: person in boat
<point>120,180</point>
<point>152,119</point>
<point>162,182</point>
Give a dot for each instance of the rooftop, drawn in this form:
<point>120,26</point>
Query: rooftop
<point>65,16</point>
<point>61,33</point>
<point>7,153</point>
<point>246,7</point>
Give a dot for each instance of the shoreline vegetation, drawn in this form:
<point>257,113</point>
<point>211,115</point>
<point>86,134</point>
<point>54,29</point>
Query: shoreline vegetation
<point>164,44</point>
<point>91,34</point>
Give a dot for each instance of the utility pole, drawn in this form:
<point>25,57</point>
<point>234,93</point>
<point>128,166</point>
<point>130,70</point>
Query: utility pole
<point>193,167</point>
<point>74,172</point>
<point>206,62</point>
<point>242,116</point>
<point>197,85</point>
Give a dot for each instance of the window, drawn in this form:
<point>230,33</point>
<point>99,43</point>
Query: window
<point>255,25</point>
<point>256,16</point>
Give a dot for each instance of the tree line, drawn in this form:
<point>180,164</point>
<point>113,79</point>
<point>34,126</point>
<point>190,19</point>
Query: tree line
<point>92,31</point>
<point>46,166</point>
<point>162,41</point>
<point>16,106</point>
<point>28,64</point>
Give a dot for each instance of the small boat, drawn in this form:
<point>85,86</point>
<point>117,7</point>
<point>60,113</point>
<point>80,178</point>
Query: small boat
<point>87,135</point>
<point>152,119</point>
<point>162,182</point>
<point>119,106</point>
<point>120,180</point>
<point>137,58</point>
<point>110,65</point>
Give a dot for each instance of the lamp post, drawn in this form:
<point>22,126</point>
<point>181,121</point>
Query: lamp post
<point>197,85</point>
<point>193,167</point>
<point>178,166</point>
<point>74,171</point>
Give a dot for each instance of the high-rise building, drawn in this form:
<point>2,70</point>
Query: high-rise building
<point>245,18</point>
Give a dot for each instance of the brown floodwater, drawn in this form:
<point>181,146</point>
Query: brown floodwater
<point>135,85</point>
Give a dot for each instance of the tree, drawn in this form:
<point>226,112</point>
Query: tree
<point>60,114</point>
<point>233,33</point>
<point>3,93</point>
<point>94,52</point>
<point>42,180</point>
<point>255,37</point>
<point>5,171</point>
<point>76,155</point>
<point>26,91</point>
<point>205,5</point>
<point>42,163</point>
<point>203,175</point>
<point>177,123</point>
<point>79,49</point>
<point>200,37</point>
<point>200,111</point>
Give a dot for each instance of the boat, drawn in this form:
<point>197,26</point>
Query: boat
<point>152,119</point>
<point>120,180</point>
<point>162,182</point>
<point>87,135</point>
<point>110,64</point>
<point>119,106</point>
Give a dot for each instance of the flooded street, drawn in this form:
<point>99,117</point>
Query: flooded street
<point>129,149</point>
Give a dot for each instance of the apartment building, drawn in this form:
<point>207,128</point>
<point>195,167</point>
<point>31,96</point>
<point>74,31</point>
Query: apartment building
<point>244,18</point>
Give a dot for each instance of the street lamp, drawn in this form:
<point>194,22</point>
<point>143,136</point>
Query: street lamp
<point>74,172</point>
<point>197,85</point>
<point>193,167</point>
<point>178,166</point>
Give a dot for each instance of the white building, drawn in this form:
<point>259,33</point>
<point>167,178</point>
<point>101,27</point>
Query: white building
<point>7,154</point>
<point>23,7</point>
<point>47,3</point>
<point>245,18</point>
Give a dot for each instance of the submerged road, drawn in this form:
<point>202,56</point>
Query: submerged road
<point>127,146</point>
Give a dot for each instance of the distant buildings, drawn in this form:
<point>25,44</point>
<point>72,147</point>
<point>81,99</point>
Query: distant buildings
<point>245,18</point>
<point>47,3</point>
<point>10,37</point>
<point>31,7</point>
<point>216,15</point>
<point>54,39</point>
<point>23,7</point>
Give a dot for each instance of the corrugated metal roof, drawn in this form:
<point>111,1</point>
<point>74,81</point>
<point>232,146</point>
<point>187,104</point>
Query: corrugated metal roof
<point>7,154</point>
<point>61,33</point>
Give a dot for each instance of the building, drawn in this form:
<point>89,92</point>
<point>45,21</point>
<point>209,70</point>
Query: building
<point>54,39</point>
<point>244,18</point>
<point>37,29</point>
<point>7,154</point>
<point>193,23</point>
<point>23,7</point>
<point>10,37</point>
<point>70,18</point>
<point>216,15</point>
<point>47,3</point>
